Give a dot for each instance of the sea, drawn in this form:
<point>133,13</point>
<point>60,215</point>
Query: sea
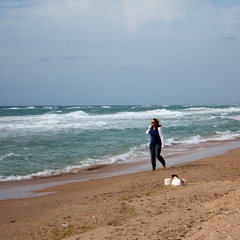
<point>45,141</point>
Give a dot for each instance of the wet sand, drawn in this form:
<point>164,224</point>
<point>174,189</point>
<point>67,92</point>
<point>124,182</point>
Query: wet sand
<point>129,204</point>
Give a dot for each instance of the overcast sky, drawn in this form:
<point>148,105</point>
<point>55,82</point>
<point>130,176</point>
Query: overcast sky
<point>81,52</point>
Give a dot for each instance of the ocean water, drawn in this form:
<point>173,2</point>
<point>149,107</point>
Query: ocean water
<point>41,141</point>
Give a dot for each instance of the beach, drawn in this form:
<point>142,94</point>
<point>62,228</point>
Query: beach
<point>133,205</point>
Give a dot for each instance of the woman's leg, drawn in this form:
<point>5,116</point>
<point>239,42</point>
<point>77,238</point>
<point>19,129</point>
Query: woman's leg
<point>153,158</point>
<point>158,154</point>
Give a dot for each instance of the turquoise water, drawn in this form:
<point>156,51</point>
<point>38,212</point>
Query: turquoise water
<point>48,140</point>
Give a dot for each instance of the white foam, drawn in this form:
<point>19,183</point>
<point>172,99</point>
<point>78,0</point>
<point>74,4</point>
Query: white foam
<point>12,108</point>
<point>169,141</point>
<point>73,107</point>
<point>193,140</point>
<point>8,155</point>
<point>105,106</point>
<point>46,173</point>
<point>134,154</point>
<point>221,136</point>
<point>214,110</point>
<point>233,117</point>
<point>82,120</point>
<point>224,136</point>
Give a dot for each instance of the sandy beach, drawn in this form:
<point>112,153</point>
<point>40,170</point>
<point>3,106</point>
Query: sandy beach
<point>134,205</point>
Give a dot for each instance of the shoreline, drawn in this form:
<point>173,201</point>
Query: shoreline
<point>135,205</point>
<point>32,188</point>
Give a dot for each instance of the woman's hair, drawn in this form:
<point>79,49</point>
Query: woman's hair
<point>157,122</point>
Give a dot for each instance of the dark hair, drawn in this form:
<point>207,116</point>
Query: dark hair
<point>157,122</point>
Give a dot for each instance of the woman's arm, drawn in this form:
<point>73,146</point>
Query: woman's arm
<point>147,132</point>
<point>161,136</point>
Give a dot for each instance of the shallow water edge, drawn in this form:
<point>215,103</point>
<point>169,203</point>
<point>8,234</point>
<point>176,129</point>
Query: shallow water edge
<point>30,188</point>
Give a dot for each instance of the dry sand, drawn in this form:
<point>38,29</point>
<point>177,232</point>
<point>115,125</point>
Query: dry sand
<point>135,206</point>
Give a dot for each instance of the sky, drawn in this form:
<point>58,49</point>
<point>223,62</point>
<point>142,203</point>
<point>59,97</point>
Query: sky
<point>115,52</point>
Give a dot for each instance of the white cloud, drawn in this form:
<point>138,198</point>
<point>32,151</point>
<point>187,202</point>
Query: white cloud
<point>205,13</point>
<point>133,14</point>
<point>138,13</point>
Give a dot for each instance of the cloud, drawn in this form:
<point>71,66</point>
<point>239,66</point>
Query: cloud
<point>230,38</point>
<point>203,13</point>
<point>68,18</point>
<point>67,58</point>
<point>139,13</point>
<point>45,59</point>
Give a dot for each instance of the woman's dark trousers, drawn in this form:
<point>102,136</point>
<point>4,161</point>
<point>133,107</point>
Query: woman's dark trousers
<point>155,151</point>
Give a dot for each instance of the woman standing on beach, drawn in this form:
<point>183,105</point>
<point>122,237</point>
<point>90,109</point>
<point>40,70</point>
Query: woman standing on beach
<point>156,143</point>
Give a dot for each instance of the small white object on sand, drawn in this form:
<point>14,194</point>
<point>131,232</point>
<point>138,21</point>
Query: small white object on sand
<point>176,182</point>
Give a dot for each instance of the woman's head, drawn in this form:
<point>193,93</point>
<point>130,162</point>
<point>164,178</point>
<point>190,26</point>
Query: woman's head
<point>155,122</point>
